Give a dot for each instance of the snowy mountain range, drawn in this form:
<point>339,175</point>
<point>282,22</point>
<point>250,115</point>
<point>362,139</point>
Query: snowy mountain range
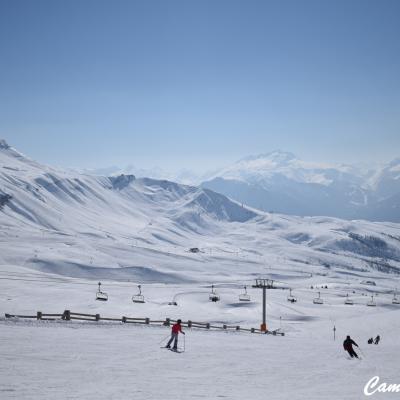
<point>142,228</point>
<point>184,176</point>
<point>280,182</point>
<point>40,192</point>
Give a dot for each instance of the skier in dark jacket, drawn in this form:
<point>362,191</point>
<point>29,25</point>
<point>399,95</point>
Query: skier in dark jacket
<point>176,328</point>
<point>377,339</point>
<point>348,346</point>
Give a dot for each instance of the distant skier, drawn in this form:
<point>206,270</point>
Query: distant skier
<point>176,328</point>
<point>348,346</point>
<point>370,340</point>
<point>377,339</point>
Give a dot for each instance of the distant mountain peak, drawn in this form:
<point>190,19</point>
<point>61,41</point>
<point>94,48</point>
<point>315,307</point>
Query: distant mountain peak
<point>4,145</point>
<point>394,163</point>
<point>122,181</point>
<point>277,156</point>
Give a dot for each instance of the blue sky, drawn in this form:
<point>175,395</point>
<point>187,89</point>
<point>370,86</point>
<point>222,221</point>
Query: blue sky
<point>197,84</point>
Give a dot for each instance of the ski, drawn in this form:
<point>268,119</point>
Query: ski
<point>175,351</point>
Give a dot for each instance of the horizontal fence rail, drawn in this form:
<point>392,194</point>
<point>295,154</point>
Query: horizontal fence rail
<point>68,315</point>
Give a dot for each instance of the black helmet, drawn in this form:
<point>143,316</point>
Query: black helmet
<point>179,321</point>
<point>348,337</point>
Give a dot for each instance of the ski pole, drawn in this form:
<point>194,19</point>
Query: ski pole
<point>162,340</point>
<point>359,348</point>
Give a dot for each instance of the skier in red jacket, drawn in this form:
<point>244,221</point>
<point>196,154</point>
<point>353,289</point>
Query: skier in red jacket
<point>176,328</point>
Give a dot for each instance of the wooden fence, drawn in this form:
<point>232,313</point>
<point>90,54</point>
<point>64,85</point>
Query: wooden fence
<point>68,315</point>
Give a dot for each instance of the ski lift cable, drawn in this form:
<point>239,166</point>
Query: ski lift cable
<point>61,278</point>
<point>58,281</point>
<point>35,277</point>
<point>37,274</point>
<point>114,281</point>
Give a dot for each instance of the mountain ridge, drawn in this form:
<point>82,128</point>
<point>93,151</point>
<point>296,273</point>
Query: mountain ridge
<point>281,182</point>
<point>142,227</point>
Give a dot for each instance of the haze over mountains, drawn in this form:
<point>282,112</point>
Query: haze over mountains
<point>281,182</point>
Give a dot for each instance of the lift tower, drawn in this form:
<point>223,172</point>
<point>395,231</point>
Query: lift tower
<point>264,284</point>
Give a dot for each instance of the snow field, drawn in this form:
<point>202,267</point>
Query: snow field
<point>111,361</point>
<point>71,360</point>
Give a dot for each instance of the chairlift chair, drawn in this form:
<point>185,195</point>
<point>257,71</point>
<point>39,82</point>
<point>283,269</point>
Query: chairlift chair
<point>348,301</point>
<point>101,296</point>
<point>244,296</point>
<point>214,297</point>
<point>371,303</point>
<point>138,298</point>
<point>318,299</point>
<point>291,298</point>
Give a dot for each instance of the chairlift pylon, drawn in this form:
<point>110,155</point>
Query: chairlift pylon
<point>214,297</point>
<point>138,298</point>
<point>244,296</point>
<point>291,298</point>
<point>318,300</point>
<point>101,296</point>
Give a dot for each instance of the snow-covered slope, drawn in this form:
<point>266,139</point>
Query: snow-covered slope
<point>37,199</point>
<point>43,195</point>
<point>281,182</point>
<point>143,228</point>
<point>61,232</point>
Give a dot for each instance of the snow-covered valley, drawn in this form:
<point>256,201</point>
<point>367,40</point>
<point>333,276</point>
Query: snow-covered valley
<point>62,232</point>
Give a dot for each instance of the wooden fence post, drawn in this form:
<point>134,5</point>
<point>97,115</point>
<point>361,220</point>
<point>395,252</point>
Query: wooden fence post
<point>252,330</point>
<point>97,317</point>
<point>208,325</point>
<point>238,328</point>
<point>39,315</point>
<point>67,315</point>
<point>167,322</point>
<point>224,326</point>
<point>123,319</point>
<point>147,321</point>
<point>189,324</point>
